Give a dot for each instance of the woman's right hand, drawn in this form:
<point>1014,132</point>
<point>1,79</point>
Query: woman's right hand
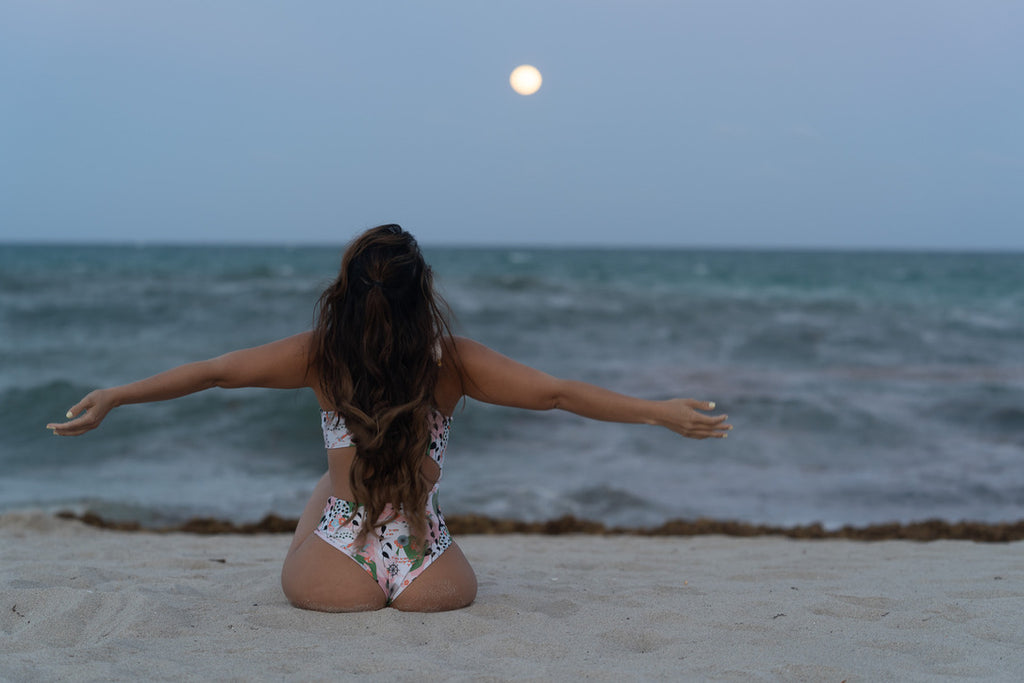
<point>95,405</point>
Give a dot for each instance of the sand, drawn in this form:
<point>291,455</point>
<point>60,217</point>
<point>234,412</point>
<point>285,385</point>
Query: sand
<point>83,603</point>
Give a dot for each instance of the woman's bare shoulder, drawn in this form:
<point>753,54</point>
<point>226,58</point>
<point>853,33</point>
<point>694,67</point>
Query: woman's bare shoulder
<point>466,347</point>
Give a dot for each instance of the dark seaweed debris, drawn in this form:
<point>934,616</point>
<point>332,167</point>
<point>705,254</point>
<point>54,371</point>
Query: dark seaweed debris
<point>928,530</point>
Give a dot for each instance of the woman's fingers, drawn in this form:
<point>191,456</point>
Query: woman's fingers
<point>700,418</point>
<point>720,427</point>
<point>719,433</point>
<point>71,428</point>
<point>699,405</point>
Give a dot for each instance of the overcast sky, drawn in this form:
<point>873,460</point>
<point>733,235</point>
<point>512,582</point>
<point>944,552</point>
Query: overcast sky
<point>746,123</point>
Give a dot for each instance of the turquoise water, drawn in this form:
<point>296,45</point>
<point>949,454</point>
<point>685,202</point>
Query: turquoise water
<point>864,387</point>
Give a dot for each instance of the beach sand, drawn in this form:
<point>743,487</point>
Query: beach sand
<point>84,603</point>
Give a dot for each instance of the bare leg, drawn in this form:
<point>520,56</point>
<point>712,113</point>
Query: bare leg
<point>448,583</point>
<point>320,577</point>
<point>317,576</point>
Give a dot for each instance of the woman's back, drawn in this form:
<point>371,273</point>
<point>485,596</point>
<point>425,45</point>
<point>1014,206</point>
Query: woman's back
<point>341,450</point>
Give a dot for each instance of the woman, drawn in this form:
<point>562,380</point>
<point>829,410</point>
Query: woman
<point>388,374</point>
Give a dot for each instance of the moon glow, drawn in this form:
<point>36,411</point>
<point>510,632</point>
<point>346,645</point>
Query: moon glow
<point>525,79</point>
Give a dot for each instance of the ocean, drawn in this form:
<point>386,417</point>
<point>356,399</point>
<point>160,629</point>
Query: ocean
<point>864,387</point>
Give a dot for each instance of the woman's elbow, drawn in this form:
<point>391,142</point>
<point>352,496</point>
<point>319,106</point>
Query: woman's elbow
<point>557,397</point>
<point>216,373</point>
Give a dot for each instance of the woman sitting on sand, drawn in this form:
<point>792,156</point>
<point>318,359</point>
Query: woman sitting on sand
<point>388,374</point>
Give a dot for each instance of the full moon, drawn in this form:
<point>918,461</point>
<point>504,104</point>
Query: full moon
<point>525,79</point>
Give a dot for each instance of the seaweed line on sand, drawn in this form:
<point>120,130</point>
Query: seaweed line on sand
<point>927,530</point>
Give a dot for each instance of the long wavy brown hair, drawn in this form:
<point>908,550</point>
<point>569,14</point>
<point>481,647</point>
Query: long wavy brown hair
<point>379,332</point>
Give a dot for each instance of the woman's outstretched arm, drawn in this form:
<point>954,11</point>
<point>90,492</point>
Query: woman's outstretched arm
<point>493,378</point>
<point>281,365</point>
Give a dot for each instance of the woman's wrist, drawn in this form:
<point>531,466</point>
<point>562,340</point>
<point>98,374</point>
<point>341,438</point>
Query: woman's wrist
<point>658,413</point>
<point>110,396</point>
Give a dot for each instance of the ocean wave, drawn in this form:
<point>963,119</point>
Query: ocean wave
<point>983,411</point>
<point>861,385</point>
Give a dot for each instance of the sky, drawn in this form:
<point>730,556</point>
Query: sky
<point>877,124</point>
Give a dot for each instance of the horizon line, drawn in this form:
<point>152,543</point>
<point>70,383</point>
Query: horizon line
<point>564,246</point>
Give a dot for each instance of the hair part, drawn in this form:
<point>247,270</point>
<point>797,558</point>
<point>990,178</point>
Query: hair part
<point>378,334</point>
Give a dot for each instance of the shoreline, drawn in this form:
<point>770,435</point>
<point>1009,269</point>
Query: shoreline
<point>461,525</point>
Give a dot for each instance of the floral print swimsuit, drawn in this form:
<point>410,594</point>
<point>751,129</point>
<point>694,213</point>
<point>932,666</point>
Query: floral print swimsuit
<point>388,555</point>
